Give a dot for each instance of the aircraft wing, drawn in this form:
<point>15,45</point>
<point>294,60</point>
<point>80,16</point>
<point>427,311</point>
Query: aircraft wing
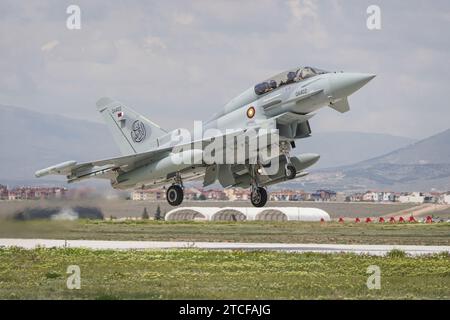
<point>108,168</point>
<point>105,168</point>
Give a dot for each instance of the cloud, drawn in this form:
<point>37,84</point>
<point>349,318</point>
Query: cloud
<point>183,18</point>
<point>308,23</point>
<point>152,43</point>
<point>182,61</point>
<point>303,9</point>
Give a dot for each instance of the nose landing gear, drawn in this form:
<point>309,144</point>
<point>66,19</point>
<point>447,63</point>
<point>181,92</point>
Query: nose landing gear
<point>290,169</point>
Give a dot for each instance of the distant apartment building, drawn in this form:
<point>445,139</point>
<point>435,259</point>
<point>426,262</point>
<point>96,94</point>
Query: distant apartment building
<point>189,194</point>
<point>340,197</point>
<point>323,196</point>
<point>389,197</point>
<point>35,193</point>
<point>446,198</point>
<point>192,194</point>
<point>215,195</point>
<point>237,194</point>
<point>3,192</point>
<point>370,196</point>
<point>148,195</point>
<point>288,195</point>
<point>412,197</point>
<point>379,196</point>
<point>431,198</point>
<point>355,197</point>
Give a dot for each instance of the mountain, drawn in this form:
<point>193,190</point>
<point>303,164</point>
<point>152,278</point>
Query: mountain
<point>342,148</point>
<point>421,166</point>
<point>432,150</point>
<point>31,140</point>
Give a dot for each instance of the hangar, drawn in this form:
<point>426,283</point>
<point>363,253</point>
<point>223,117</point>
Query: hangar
<point>247,213</point>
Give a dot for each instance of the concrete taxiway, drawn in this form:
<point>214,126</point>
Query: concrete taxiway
<point>287,247</point>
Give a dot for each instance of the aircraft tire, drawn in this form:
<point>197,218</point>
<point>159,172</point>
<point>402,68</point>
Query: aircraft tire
<point>258,197</point>
<point>291,172</point>
<point>175,195</point>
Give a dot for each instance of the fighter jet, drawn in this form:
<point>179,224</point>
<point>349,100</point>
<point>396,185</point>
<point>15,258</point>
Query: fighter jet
<point>284,103</point>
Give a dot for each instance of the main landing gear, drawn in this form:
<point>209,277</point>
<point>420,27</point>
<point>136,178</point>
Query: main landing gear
<point>258,197</point>
<point>175,193</point>
<point>258,194</point>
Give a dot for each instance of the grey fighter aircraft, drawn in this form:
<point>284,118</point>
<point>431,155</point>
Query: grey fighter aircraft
<point>284,102</point>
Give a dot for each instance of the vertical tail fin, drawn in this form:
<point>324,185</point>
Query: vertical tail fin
<point>132,132</point>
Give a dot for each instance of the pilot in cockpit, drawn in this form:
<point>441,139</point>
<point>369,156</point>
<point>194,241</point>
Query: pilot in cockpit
<point>290,77</point>
<point>306,72</point>
<point>272,84</point>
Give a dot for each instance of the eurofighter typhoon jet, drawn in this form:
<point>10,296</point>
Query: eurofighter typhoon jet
<point>152,157</point>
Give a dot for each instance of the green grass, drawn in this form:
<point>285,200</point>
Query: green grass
<point>196,274</point>
<point>250,231</point>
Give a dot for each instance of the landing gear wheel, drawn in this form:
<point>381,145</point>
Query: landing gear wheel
<point>258,197</point>
<point>174,195</point>
<point>291,172</point>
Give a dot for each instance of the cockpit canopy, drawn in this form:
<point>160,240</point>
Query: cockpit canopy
<point>287,77</point>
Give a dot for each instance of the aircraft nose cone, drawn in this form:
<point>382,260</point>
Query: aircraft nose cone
<point>344,84</point>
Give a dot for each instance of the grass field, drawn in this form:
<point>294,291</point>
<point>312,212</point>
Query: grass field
<point>250,231</point>
<point>194,274</point>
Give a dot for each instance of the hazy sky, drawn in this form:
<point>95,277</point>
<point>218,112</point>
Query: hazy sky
<point>180,61</point>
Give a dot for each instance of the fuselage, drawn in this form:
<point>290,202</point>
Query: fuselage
<point>299,95</point>
<point>300,91</point>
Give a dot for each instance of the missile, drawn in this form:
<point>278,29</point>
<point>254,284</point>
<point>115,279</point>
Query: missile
<point>304,160</point>
<point>58,168</point>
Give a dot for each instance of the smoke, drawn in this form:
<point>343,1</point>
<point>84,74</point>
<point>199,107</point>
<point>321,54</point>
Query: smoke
<point>67,214</point>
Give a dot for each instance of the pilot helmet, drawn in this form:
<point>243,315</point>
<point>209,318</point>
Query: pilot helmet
<point>273,84</point>
<point>291,75</point>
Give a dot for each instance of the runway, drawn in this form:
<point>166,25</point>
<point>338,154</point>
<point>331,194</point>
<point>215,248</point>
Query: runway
<point>379,250</point>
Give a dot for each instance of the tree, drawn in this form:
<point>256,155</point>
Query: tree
<point>145,214</point>
<point>158,213</point>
